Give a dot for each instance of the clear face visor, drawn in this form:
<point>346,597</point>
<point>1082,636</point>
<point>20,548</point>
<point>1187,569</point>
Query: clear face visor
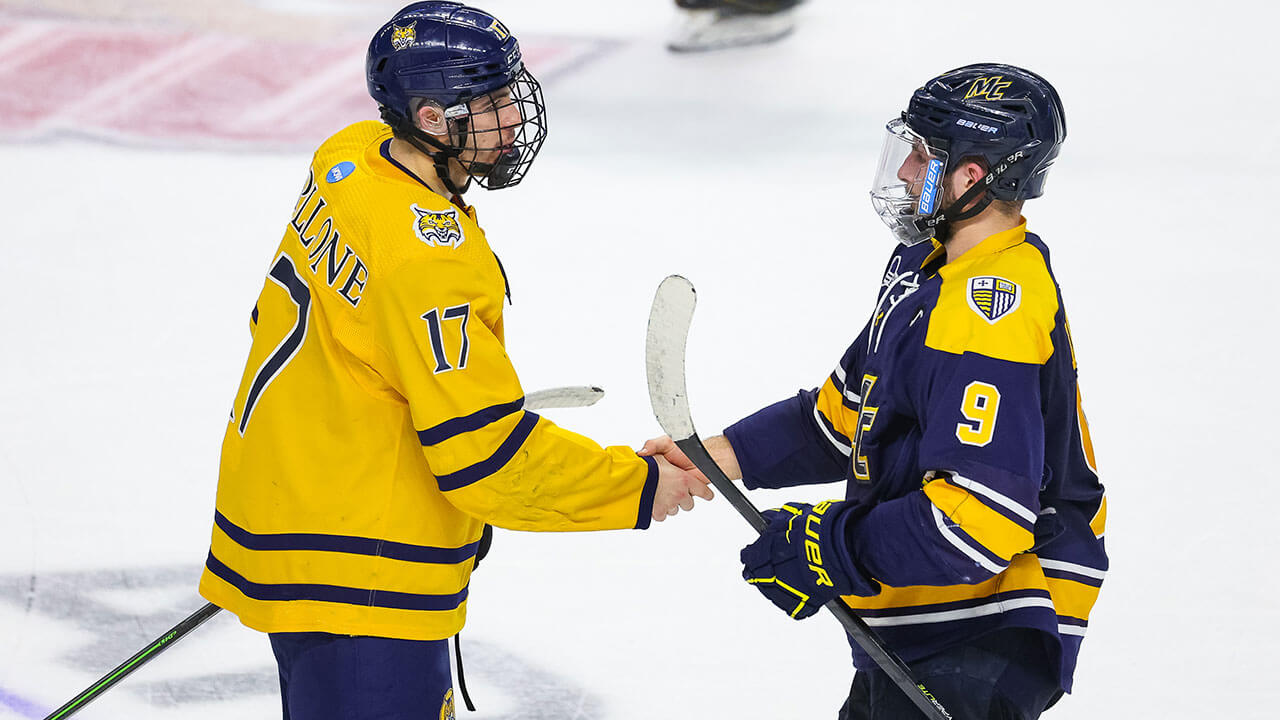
<point>504,129</point>
<point>908,183</point>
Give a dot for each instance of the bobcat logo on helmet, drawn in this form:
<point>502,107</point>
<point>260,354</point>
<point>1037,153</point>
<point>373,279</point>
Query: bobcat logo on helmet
<point>403,37</point>
<point>437,229</point>
<point>993,297</point>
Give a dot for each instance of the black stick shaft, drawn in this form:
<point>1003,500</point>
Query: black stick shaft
<point>127,667</point>
<point>890,663</point>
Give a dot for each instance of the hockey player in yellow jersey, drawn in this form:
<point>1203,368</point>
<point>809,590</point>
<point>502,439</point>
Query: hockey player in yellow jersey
<point>970,535</point>
<point>379,424</point>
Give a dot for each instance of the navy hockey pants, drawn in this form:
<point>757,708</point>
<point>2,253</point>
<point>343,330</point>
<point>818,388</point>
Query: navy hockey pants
<point>1003,676</point>
<point>340,677</point>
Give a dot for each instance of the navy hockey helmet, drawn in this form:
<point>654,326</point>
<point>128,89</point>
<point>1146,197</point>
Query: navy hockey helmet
<point>1004,117</point>
<point>451,54</point>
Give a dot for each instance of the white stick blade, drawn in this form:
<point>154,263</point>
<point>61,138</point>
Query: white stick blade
<point>563,397</point>
<point>669,322</point>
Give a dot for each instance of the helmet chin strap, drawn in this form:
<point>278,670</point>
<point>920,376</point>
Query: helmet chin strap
<point>439,152</point>
<point>955,212</point>
<point>940,222</point>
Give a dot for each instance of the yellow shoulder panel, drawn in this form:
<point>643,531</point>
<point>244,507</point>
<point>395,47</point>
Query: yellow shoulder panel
<point>351,140</point>
<point>1001,305</point>
<point>383,208</point>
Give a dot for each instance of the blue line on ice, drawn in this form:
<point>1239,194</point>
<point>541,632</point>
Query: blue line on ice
<point>20,704</point>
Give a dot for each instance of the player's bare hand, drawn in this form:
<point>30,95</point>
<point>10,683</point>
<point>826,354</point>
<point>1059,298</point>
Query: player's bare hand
<point>718,447</point>
<point>665,447</point>
<point>676,489</point>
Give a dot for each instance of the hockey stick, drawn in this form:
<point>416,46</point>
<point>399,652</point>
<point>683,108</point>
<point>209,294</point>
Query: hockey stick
<point>560,397</point>
<point>668,335</point>
<point>124,669</point>
<point>563,397</point>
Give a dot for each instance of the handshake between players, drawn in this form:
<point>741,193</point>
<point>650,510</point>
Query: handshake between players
<point>679,482</point>
<point>379,427</point>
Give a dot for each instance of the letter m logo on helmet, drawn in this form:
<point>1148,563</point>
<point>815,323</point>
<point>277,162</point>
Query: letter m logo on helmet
<point>991,88</point>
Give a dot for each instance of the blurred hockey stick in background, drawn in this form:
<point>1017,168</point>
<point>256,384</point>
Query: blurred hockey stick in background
<point>560,397</point>
<point>665,344</point>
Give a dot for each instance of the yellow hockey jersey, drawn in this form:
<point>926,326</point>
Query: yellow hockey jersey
<point>379,422</point>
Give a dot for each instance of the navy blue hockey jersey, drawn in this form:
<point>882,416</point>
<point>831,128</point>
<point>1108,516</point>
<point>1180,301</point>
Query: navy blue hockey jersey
<point>955,417</point>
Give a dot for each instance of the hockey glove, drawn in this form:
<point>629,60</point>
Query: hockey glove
<point>794,563</point>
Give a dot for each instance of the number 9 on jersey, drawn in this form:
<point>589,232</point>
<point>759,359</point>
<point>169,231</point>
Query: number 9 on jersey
<point>980,406</point>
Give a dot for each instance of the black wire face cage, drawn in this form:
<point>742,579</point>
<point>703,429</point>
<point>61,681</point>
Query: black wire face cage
<point>504,130</point>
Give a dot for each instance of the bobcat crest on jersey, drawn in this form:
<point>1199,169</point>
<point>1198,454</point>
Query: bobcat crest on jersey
<point>446,707</point>
<point>328,516</point>
<point>403,37</point>
<point>993,297</point>
<point>438,229</point>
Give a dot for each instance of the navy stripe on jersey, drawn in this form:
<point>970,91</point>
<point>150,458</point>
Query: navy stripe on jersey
<point>345,544</point>
<point>385,151</point>
<point>646,495</point>
<point>467,423</point>
<point>285,592</point>
<point>958,610</point>
<point>495,462</point>
<point>964,604</point>
<point>1068,625</point>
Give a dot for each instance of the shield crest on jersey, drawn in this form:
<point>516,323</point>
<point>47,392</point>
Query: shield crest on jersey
<point>993,297</point>
<point>437,228</point>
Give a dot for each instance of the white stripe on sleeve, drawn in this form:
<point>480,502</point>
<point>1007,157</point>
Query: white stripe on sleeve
<point>940,520</point>
<point>1073,568</point>
<point>991,608</point>
<point>999,498</point>
<point>822,425</point>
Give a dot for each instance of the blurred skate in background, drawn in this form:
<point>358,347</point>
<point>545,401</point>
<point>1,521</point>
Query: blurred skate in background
<point>718,24</point>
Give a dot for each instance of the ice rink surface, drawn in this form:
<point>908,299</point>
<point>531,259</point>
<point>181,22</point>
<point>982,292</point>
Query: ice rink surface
<point>131,263</point>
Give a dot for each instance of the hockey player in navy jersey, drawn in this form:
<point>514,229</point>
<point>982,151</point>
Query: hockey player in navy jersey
<point>970,536</point>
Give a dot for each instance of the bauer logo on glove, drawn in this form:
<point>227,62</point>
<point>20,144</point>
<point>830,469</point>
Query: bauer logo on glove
<point>795,563</point>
